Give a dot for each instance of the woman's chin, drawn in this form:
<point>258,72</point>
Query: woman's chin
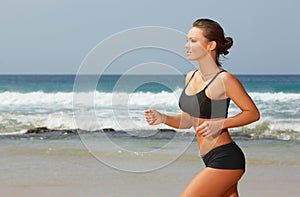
<point>190,58</point>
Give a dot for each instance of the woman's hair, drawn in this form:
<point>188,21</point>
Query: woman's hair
<point>212,31</point>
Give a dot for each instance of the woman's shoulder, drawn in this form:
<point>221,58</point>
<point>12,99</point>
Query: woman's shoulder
<point>229,78</point>
<point>189,75</point>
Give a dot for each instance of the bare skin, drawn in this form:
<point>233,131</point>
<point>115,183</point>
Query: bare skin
<point>210,133</point>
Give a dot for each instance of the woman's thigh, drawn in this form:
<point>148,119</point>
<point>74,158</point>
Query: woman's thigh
<point>232,192</point>
<point>212,182</point>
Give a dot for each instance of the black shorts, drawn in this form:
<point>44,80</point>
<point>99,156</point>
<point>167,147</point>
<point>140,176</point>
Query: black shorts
<point>227,156</point>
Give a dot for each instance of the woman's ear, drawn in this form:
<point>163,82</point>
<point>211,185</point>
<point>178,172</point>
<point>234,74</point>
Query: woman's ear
<point>212,45</point>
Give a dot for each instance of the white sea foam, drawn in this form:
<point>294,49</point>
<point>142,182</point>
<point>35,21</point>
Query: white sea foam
<point>136,98</point>
<point>275,96</point>
<point>35,98</point>
<point>121,110</point>
<point>100,98</point>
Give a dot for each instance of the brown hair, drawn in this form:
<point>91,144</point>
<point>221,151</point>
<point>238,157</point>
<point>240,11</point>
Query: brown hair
<point>212,31</point>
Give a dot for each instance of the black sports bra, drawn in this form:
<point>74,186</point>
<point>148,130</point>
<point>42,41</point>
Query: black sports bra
<point>200,106</point>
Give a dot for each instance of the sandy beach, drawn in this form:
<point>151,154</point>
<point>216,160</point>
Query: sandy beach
<point>64,167</point>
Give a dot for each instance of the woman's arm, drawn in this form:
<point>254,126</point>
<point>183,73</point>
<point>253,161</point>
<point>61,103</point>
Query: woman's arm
<point>179,121</point>
<point>236,92</point>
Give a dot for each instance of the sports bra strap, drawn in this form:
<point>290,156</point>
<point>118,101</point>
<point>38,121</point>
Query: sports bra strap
<point>213,78</point>
<point>191,78</point>
<point>210,80</point>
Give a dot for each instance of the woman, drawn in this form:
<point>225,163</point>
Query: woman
<point>204,102</point>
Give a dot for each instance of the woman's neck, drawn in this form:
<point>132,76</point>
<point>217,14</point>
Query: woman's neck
<point>208,66</point>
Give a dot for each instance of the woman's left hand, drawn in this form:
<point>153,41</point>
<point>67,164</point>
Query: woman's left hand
<point>210,128</point>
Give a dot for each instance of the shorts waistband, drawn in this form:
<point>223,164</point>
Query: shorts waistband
<point>219,147</point>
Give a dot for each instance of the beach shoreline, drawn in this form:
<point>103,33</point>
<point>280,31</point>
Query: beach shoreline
<point>66,168</point>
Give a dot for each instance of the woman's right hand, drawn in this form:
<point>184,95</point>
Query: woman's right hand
<point>153,117</point>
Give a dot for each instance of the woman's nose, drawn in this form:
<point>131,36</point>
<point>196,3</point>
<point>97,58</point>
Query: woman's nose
<point>187,45</point>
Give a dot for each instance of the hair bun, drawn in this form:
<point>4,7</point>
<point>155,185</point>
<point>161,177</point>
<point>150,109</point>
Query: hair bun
<point>225,52</point>
<point>228,42</point>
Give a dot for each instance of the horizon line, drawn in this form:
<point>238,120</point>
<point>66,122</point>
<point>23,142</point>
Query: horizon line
<point>139,74</point>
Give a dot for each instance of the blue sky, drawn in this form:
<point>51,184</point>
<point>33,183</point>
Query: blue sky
<point>54,36</point>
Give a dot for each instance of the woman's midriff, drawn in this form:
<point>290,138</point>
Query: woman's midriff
<point>207,144</point>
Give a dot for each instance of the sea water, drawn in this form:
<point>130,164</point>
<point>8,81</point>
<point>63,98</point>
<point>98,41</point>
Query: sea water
<point>32,101</point>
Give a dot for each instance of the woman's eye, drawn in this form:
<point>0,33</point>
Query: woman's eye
<point>191,40</point>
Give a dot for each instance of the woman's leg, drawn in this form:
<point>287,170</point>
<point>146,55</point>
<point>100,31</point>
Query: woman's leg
<point>232,192</point>
<point>213,183</point>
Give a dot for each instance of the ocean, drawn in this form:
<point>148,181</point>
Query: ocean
<point>28,102</point>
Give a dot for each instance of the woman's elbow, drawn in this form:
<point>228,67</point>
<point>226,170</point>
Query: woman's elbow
<point>256,116</point>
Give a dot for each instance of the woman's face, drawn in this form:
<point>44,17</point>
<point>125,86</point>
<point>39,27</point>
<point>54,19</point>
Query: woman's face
<point>196,45</point>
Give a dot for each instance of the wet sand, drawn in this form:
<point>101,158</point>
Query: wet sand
<point>66,168</point>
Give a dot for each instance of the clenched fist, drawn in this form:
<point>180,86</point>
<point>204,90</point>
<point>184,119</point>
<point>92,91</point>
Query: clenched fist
<point>153,117</point>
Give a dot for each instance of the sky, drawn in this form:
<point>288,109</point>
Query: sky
<point>54,36</point>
